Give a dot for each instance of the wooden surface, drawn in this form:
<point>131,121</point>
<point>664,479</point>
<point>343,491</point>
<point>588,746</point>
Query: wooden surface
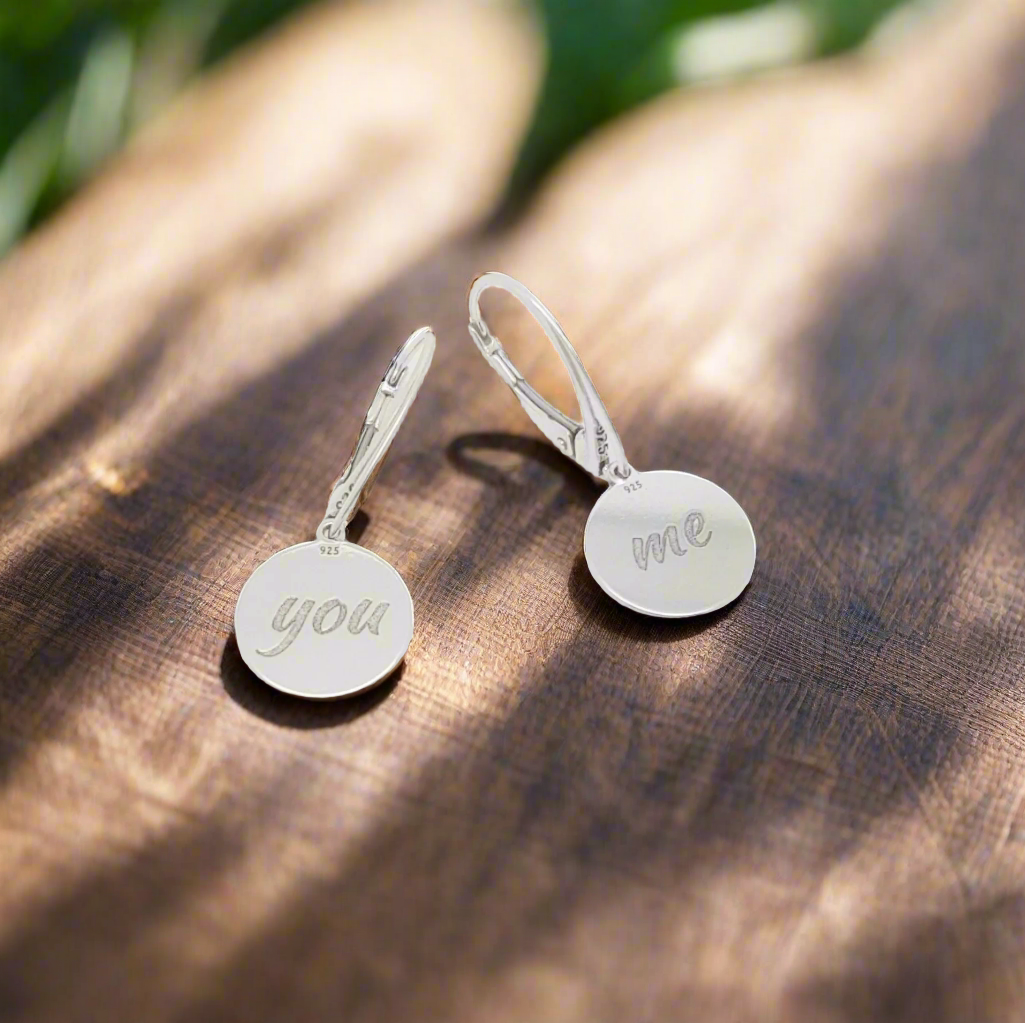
<point>808,808</point>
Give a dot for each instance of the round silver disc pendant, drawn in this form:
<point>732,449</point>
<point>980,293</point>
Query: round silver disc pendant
<point>324,620</point>
<point>669,544</point>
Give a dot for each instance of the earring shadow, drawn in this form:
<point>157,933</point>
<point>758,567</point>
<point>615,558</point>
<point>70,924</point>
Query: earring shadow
<point>357,527</point>
<point>591,600</point>
<point>467,453</point>
<point>277,708</point>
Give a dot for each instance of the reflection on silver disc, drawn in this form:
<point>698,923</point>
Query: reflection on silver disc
<point>669,544</point>
<point>324,620</point>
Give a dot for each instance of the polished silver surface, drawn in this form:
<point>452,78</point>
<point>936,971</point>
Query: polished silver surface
<point>663,543</point>
<point>327,618</point>
<point>324,620</point>
<point>593,444</point>
<point>669,544</point>
<point>395,394</point>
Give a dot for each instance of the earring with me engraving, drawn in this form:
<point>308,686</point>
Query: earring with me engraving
<point>326,619</point>
<point>664,543</point>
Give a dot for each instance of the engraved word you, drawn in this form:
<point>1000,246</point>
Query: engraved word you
<point>669,539</point>
<point>329,617</point>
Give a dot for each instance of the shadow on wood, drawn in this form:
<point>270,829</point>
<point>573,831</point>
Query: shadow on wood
<point>290,711</point>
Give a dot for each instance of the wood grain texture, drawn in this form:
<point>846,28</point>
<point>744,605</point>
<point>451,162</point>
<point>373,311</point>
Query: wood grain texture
<point>808,807</point>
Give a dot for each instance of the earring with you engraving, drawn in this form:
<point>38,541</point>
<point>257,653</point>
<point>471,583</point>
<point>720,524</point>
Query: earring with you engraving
<point>664,543</point>
<point>327,618</point>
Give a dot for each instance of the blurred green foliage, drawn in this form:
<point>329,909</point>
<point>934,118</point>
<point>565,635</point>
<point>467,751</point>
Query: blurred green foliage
<point>605,56</point>
<point>77,76</point>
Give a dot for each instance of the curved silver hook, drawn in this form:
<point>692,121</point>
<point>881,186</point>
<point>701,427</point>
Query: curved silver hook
<point>593,444</point>
<point>391,403</point>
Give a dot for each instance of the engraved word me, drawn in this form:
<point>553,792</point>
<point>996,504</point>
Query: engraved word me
<point>669,539</point>
<point>329,616</point>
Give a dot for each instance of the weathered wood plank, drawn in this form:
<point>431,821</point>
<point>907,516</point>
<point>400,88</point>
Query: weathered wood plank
<point>807,807</point>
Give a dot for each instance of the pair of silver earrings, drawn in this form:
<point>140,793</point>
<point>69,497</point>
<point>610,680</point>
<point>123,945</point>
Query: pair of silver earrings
<point>328,618</point>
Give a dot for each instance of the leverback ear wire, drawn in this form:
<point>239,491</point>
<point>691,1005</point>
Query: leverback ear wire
<point>593,444</point>
<point>391,403</point>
